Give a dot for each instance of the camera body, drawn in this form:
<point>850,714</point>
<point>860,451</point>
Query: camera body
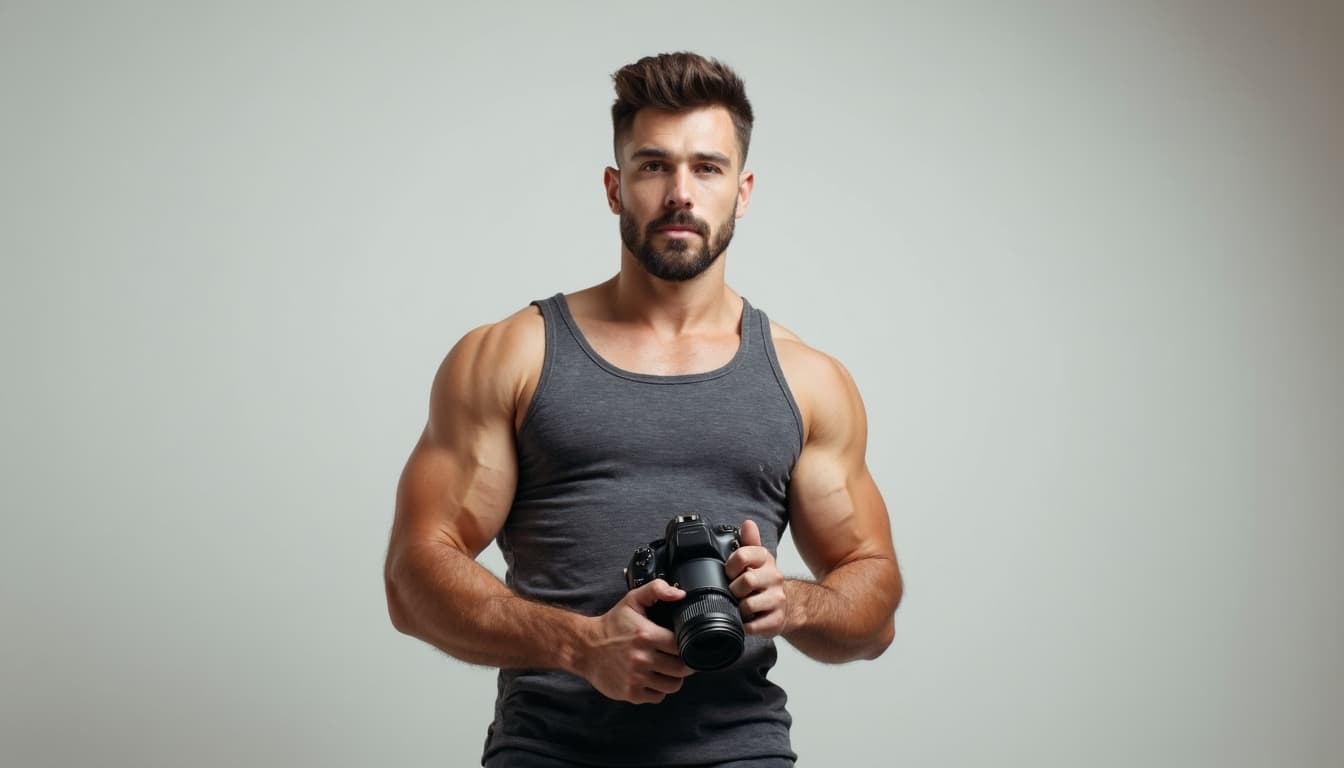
<point>691,556</point>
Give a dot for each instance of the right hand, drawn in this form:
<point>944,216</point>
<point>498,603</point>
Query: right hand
<point>630,658</point>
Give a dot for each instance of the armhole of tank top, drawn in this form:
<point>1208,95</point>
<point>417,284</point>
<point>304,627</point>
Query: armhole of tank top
<point>543,378</point>
<point>769,345</point>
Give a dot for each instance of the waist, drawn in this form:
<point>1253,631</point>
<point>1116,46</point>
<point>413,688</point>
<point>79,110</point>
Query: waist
<point>732,714</point>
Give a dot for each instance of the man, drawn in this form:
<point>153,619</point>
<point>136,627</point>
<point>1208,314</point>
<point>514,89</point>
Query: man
<point>574,430</point>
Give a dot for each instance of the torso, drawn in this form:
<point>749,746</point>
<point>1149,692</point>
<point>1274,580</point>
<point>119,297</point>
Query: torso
<point>614,441</point>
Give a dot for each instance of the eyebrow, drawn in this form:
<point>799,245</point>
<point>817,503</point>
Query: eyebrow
<point>658,153</point>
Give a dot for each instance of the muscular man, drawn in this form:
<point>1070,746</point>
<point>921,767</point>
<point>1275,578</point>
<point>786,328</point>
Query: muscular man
<point>572,431</point>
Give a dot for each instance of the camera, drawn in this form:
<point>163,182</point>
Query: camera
<point>691,557</point>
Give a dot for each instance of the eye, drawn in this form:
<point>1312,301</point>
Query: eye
<point>709,168</point>
<point>652,166</point>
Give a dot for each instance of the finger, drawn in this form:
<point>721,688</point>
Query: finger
<point>650,696</point>
<point>757,605</point>
<point>646,696</point>
<point>663,641</point>
<point>751,535</point>
<point>766,624</point>
<point>744,558</point>
<point>663,684</point>
<point>653,592</point>
<point>748,582</point>
<point>670,665</point>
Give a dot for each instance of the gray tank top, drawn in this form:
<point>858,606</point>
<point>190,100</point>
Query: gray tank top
<point>606,457</point>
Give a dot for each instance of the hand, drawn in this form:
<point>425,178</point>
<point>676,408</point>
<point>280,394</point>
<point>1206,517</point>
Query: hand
<point>630,658</point>
<point>758,585</point>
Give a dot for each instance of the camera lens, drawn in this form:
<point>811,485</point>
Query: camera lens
<point>707,622</point>
<point>709,631</point>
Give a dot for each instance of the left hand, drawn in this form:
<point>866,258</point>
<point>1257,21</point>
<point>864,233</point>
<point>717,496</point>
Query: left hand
<point>758,585</point>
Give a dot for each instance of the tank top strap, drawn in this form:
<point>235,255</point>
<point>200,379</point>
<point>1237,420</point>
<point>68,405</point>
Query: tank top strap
<point>551,315</point>
<point>552,320</point>
<point>763,357</point>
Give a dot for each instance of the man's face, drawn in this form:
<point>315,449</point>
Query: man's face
<point>679,190</point>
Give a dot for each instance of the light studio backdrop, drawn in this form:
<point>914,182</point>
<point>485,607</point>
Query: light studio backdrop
<point>1083,260</point>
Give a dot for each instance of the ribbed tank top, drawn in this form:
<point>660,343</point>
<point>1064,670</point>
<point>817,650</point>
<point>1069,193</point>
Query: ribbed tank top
<point>606,457</point>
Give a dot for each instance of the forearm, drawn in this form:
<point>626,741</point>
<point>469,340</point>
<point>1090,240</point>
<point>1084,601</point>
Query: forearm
<point>440,595</point>
<point>848,615</point>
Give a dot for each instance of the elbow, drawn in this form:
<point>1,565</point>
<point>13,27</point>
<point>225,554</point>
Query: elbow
<point>883,641</point>
<point>396,609</point>
<point>886,634</point>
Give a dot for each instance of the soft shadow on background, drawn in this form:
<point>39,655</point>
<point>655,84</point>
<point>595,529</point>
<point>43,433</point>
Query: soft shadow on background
<point>1084,261</point>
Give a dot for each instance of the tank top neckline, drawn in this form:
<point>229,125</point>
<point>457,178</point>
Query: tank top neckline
<point>744,342</point>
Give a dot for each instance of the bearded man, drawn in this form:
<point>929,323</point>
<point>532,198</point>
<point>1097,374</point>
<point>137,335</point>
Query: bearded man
<point>574,430</point>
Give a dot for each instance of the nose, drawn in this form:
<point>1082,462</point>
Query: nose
<point>679,193</point>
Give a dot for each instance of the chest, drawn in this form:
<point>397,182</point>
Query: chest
<point>734,435</point>
<point>646,353</point>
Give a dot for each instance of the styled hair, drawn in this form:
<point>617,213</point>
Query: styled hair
<point>676,82</point>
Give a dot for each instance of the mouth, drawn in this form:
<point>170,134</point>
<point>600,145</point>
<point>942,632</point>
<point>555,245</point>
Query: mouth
<point>678,231</point>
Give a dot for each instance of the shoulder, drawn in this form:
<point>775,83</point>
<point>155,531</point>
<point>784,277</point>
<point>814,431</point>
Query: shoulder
<point>814,369</point>
<point>823,388</point>
<point>493,366</point>
<point>507,342</point>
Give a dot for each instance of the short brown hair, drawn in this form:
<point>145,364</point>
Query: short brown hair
<point>675,82</point>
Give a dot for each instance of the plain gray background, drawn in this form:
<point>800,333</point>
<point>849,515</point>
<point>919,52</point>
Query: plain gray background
<point>1083,259</point>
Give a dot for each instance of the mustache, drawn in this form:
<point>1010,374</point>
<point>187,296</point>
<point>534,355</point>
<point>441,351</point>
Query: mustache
<point>680,219</point>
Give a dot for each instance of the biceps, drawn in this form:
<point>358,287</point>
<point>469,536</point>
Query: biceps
<point>837,514</point>
<point>456,494</point>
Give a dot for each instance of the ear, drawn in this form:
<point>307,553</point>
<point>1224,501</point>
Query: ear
<point>745,182</point>
<point>611,179</point>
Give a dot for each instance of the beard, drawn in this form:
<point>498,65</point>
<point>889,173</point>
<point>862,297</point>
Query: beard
<point>676,261</point>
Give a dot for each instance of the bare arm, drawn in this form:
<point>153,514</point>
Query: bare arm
<point>841,530</point>
<point>839,524</point>
<point>453,498</point>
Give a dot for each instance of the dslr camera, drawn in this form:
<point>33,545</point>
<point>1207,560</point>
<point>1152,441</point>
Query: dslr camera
<point>691,557</point>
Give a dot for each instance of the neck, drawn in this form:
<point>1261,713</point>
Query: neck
<point>701,303</point>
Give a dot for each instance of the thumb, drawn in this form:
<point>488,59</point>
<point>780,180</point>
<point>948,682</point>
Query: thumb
<point>653,592</point>
<point>751,535</point>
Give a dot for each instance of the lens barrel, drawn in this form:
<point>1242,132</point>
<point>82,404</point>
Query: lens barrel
<point>707,622</point>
